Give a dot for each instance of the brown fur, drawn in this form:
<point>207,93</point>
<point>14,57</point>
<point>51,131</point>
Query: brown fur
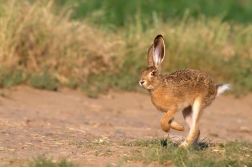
<point>187,90</point>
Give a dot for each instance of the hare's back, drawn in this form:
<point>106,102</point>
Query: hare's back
<point>191,82</point>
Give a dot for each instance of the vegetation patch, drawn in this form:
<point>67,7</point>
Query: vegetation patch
<point>11,77</point>
<point>119,13</point>
<point>42,161</point>
<point>44,81</point>
<point>237,153</point>
<point>44,44</point>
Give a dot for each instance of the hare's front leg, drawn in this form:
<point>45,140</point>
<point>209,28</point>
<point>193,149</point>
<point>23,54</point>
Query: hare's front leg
<point>168,122</point>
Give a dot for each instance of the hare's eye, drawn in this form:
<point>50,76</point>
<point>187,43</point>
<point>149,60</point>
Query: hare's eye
<point>153,73</point>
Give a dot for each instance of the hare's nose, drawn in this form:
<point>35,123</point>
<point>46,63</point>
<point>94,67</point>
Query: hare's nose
<point>141,82</point>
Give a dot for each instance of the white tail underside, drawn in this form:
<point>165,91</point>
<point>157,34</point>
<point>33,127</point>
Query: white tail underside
<point>222,88</point>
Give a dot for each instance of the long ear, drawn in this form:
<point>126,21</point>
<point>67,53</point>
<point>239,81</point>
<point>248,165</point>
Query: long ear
<point>159,51</point>
<point>150,56</point>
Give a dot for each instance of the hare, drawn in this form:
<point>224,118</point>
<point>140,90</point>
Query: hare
<point>187,90</point>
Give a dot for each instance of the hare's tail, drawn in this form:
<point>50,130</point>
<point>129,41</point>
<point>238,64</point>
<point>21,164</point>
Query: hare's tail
<point>222,88</point>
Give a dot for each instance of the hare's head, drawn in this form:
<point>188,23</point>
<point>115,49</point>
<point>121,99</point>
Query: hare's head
<point>151,77</point>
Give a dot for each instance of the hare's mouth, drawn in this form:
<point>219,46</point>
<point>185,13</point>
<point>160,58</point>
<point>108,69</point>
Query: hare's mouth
<point>142,83</point>
<point>145,85</point>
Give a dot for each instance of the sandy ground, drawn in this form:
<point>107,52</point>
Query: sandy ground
<point>63,124</point>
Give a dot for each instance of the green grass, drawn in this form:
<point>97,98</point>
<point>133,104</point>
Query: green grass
<point>44,81</point>
<point>114,13</point>
<point>11,77</point>
<point>237,153</point>
<point>42,161</point>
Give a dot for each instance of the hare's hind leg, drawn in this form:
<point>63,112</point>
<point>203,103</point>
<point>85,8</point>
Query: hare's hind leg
<point>191,116</point>
<point>187,114</point>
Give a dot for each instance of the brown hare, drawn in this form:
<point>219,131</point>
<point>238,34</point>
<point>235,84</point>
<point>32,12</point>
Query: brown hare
<point>187,90</point>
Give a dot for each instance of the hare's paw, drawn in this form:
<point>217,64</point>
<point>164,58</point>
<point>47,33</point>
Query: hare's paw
<point>184,144</point>
<point>176,126</point>
<point>165,126</point>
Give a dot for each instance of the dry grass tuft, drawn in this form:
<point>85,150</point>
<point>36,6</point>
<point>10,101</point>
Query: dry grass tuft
<point>35,39</point>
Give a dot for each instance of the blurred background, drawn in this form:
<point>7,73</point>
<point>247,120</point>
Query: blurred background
<point>101,45</point>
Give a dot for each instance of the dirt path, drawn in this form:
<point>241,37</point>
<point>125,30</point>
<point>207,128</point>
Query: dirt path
<point>69,125</point>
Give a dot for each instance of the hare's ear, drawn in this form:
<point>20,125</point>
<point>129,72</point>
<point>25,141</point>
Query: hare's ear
<point>150,56</point>
<point>159,51</point>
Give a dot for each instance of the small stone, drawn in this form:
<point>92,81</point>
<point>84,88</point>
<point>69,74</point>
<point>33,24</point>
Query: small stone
<point>100,141</point>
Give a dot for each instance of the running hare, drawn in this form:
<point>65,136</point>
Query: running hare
<point>187,90</point>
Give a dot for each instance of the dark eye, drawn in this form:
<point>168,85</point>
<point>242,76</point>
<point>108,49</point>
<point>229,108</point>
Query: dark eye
<point>153,73</point>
